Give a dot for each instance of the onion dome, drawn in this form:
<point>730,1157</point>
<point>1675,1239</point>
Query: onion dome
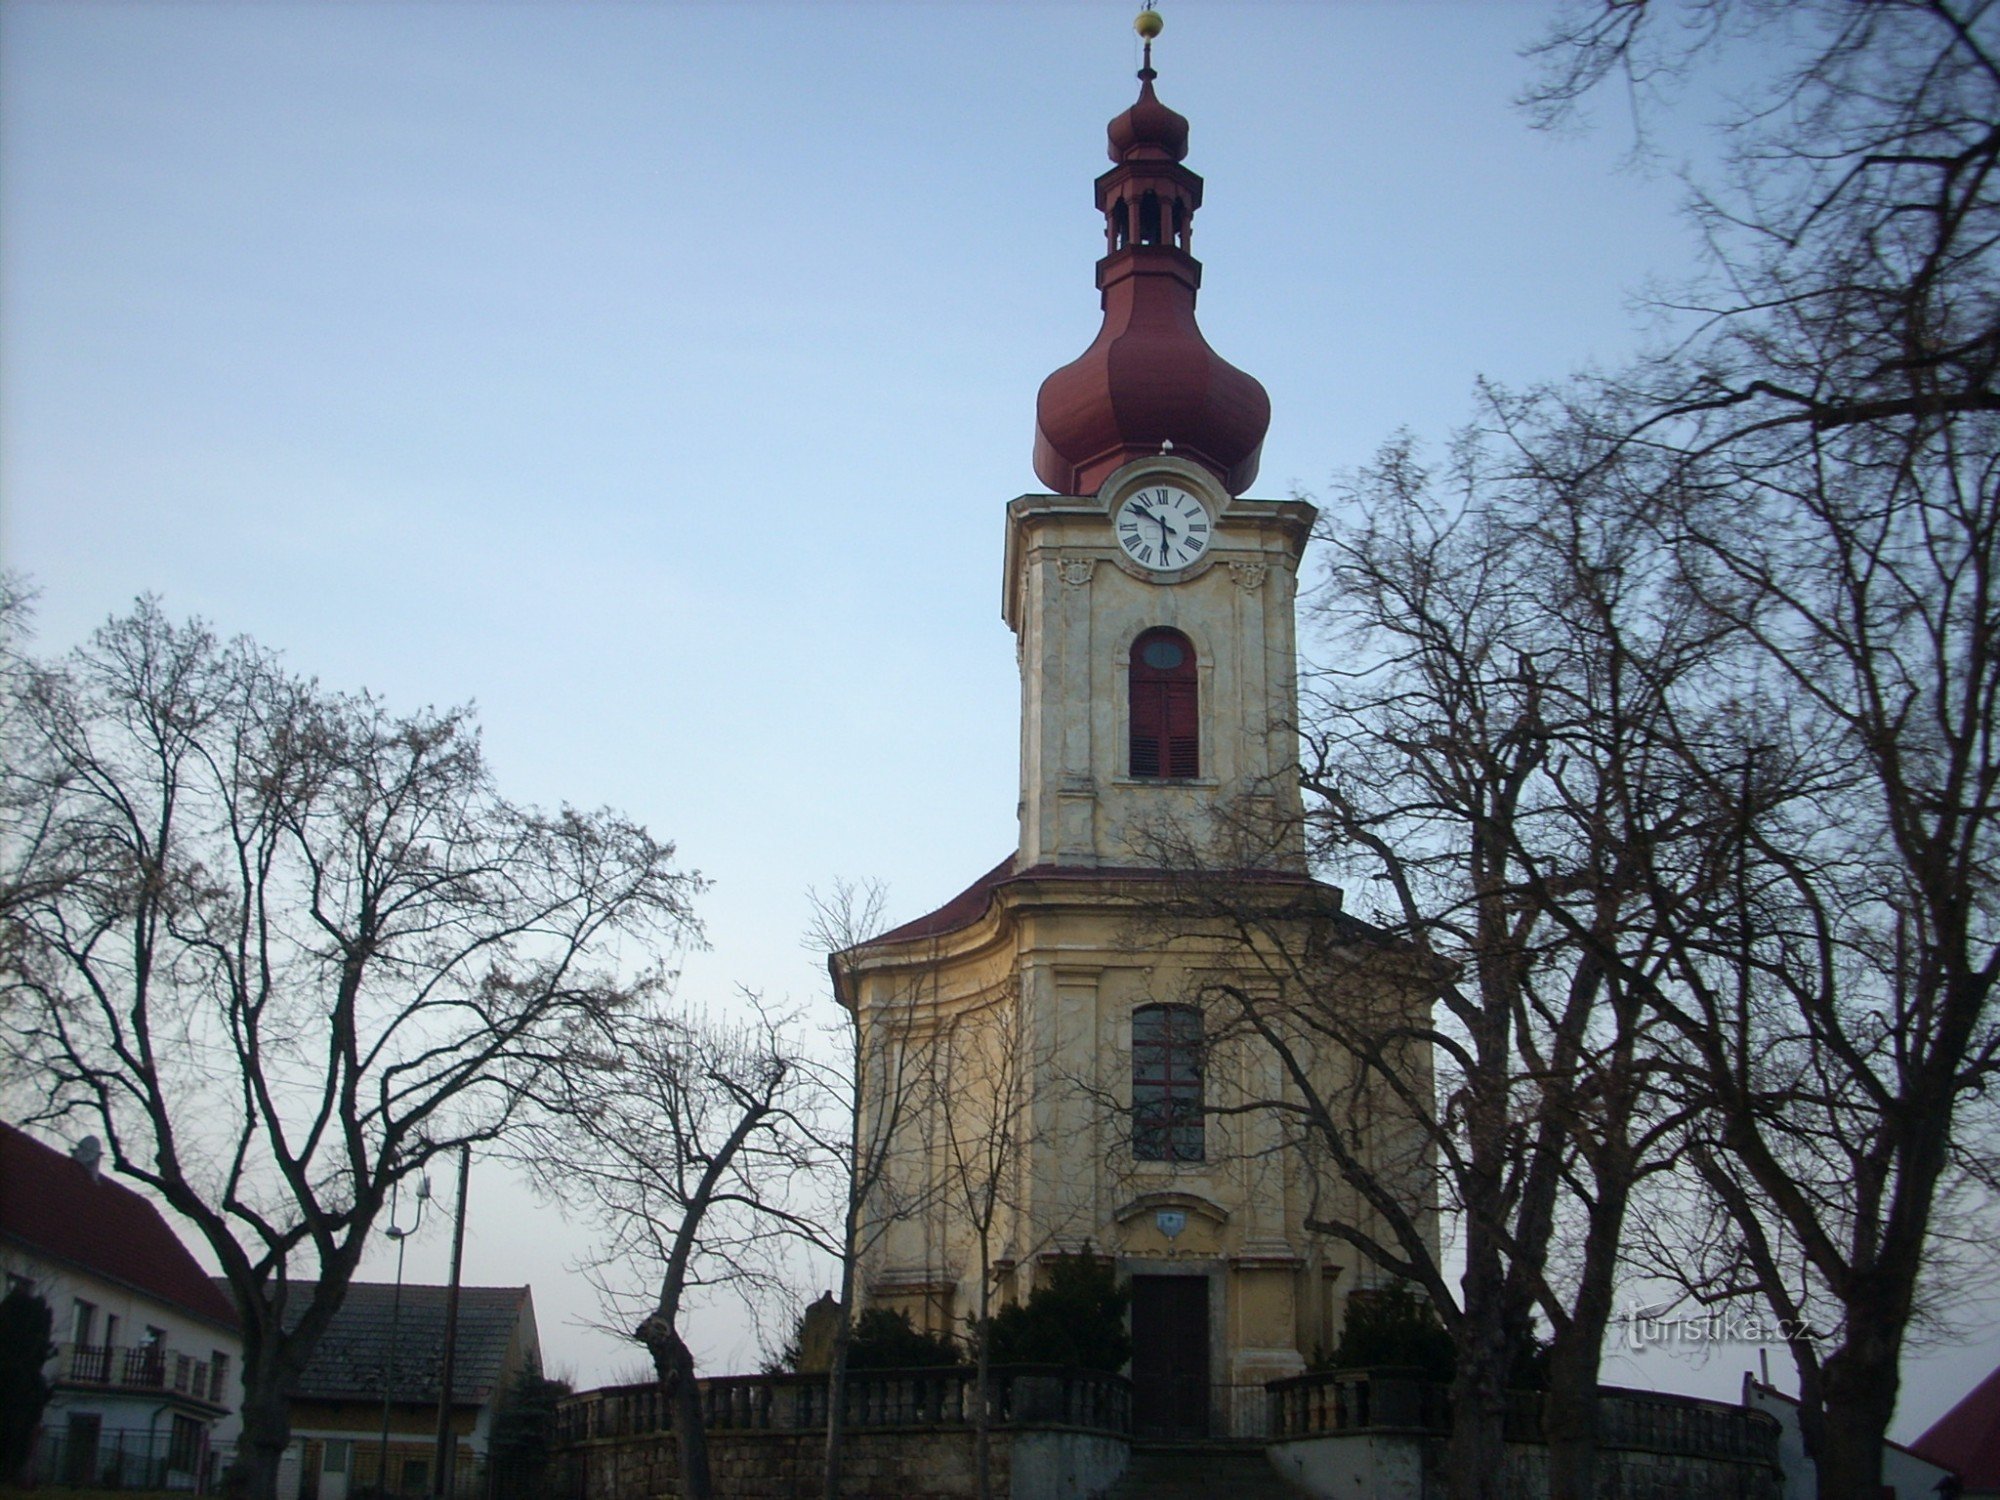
<point>1148,382</point>
<point>1149,128</point>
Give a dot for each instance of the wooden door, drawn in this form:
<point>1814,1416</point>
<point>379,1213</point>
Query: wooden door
<point>1170,1356</point>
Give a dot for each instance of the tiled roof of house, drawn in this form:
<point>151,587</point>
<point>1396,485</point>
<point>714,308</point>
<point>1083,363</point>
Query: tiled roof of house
<point>353,1358</point>
<point>61,1210</point>
<point>1966,1439</point>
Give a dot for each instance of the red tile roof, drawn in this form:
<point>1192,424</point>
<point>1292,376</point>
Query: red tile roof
<point>1966,1439</point>
<point>56,1208</point>
<point>970,904</point>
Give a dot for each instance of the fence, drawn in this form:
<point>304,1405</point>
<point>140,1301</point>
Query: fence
<point>127,1458</point>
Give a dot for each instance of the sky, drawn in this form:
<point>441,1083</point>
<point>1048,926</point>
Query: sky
<point>655,376</point>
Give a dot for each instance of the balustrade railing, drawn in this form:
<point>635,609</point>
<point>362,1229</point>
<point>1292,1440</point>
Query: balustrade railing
<point>1019,1396</point>
<point>1332,1402</point>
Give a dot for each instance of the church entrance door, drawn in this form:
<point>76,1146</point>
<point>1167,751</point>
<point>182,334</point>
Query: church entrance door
<point>1170,1356</point>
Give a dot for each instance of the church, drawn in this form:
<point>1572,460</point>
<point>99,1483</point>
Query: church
<point>1036,1052</point>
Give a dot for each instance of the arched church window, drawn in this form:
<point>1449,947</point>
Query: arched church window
<point>1121,222</point>
<point>1166,1083</point>
<point>1166,740</point>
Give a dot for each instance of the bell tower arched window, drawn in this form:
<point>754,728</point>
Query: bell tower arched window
<point>1166,739</point>
<point>1166,1083</point>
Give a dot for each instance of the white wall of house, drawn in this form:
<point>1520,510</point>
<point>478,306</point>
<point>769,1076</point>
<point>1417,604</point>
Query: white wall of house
<point>1904,1475</point>
<point>144,1337</point>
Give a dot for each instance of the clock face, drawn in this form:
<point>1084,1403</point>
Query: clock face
<point>1162,528</point>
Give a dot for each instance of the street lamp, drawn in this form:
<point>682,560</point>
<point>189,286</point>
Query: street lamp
<point>400,1236</point>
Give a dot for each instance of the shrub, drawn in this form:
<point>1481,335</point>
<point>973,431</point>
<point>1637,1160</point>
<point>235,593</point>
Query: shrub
<point>884,1340</point>
<point>1397,1328</point>
<point>1076,1317</point>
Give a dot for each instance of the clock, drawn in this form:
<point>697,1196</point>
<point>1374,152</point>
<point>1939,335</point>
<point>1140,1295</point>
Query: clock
<point>1162,527</point>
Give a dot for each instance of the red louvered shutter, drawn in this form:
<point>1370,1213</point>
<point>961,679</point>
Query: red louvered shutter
<point>1166,717</point>
<point>1183,741</point>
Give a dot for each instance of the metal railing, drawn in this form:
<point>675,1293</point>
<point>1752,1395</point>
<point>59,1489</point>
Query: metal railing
<point>142,1367</point>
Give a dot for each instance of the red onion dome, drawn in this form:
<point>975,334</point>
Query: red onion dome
<point>1148,128</point>
<point>1149,382</point>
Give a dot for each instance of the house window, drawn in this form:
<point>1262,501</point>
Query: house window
<point>83,1323</point>
<point>1166,741</point>
<point>1166,1083</point>
<point>416,1476</point>
<point>334,1457</point>
<point>218,1371</point>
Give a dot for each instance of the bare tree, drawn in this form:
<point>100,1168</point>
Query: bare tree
<point>873,1088</point>
<point>1826,443</point>
<point>678,1138</point>
<point>1479,1043</point>
<point>982,1104</point>
<point>283,947</point>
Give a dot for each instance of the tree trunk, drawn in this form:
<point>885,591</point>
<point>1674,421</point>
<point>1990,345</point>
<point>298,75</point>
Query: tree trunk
<point>1476,1449</point>
<point>1860,1380</point>
<point>1569,1415</point>
<point>982,1416</point>
<point>836,1386</point>
<point>267,1430</point>
<point>690,1432</point>
<point>1569,1407</point>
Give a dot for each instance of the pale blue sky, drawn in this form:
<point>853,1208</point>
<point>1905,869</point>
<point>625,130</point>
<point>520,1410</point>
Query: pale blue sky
<point>656,375</point>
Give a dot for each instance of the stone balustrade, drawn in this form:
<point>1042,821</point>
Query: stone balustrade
<point>1057,1434</point>
<point>1384,1429</point>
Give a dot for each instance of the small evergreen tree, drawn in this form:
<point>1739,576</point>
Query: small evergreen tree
<point>1077,1317</point>
<point>1394,1327</point>
<point>524,1430</point>
<point>24,1348</point>
<point>884,1340</point>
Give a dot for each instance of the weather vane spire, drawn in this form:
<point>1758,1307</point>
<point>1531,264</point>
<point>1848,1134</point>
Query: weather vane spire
<point>1148,25</point>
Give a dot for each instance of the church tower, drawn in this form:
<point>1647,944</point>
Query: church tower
<point>1034,1051</point>
<point>1153,604</point>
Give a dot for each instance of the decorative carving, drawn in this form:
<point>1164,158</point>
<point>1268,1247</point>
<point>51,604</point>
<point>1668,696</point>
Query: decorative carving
<point>1248,575</point>
<point>1076,571</point>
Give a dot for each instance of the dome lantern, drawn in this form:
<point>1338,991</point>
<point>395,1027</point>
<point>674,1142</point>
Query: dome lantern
<point>1149,379</point>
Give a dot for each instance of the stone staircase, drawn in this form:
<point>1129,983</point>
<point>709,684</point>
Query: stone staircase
<point>1216,1470</point>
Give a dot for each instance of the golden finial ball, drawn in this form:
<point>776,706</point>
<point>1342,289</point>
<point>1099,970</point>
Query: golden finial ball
<point>1148,24</point>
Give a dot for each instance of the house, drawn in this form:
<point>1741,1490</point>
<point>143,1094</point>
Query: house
<point>1907,1473</point>
<point>1966,1440</point>
<point>368,1398</point>
<point>147,1363</point>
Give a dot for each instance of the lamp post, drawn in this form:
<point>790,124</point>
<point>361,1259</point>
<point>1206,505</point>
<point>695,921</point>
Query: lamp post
<point>400,1236</point>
